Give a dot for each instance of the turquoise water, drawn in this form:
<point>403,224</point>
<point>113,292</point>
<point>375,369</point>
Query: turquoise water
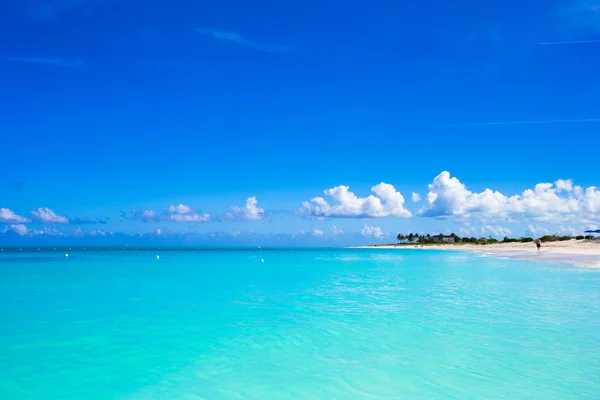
<point>305,324</point>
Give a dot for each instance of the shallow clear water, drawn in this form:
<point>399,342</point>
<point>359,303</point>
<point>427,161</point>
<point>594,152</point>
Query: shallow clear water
<point>305,324</point>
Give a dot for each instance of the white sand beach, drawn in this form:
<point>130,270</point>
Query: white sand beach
<point>581,252</point>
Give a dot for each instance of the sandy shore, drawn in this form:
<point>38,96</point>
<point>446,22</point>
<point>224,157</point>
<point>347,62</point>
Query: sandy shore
<point>581,252</point>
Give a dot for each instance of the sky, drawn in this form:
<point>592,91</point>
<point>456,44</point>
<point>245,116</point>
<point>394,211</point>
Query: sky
<point>297,123</point>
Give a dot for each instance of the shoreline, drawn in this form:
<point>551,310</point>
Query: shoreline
<point>583,253</point>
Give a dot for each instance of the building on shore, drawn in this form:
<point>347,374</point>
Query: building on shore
<point>443,239</point>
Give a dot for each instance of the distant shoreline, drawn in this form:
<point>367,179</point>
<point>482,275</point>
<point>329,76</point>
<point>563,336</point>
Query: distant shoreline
<point>585,253</point>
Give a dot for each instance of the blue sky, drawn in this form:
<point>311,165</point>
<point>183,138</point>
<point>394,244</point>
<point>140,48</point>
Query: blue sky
<point>112,108</point>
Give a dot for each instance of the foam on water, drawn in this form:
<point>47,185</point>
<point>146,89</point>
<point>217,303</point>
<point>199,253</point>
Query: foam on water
<point>326,324</point>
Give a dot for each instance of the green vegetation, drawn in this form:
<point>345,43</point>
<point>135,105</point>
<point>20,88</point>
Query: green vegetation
<point>431,239</point>
<point>515,240</point>
<point>555,238</point>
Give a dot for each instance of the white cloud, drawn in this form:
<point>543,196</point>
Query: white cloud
<point>148,215</point>
<point>183,213</point>
<point>180,209</point>
<point>78,232</point>
<point>194,217</point>
<point>4,230</point>
<point>416,197</point>
<point>45,231</point>
<point>551,229</point>
<point>8,216</point>
<point>47,215</point>
<point>371,231</point>
<point>250,212</point>
<point>317,232</point>
<point>158,232</point>
<point>545,202</point>
<point>387,202</point>
<point>97,233</point>
<point>175,213</point>
<point>19,229</point>
<point>335,230</point>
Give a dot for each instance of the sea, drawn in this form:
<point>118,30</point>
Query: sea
<point>295,324</point>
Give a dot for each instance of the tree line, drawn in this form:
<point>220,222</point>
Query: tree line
<point>422,238</point>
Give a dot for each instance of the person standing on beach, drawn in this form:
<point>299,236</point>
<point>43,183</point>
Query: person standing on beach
<point>538,243</point>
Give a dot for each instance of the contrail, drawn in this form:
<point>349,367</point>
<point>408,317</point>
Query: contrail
<point>551,121</point>
<point>572,42</point>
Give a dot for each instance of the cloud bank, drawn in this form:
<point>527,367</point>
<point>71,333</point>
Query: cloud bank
<point>554,202</point>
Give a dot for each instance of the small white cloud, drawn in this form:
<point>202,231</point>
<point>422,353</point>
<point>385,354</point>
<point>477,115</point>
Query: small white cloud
<point>78,232</point>
<point>416,197</point>
<point>387,202</point>
<point>4,230</point>
<point>45,231</point>
<point>47,215</point>
<point>19,229</point>
<point>9,217</point>
<point>485,231</point>
<point>148,215</point>
<point>180,209</point>
<point>335,231</point>
<point>193,217</point>
<point>317,232</point>
<point>175,213</point>
<point>183,213</point>
<point>371,231</point>
<point>97,233</point>
<point>158,232</point>
<point>250,212</point>
<point>495,231</point>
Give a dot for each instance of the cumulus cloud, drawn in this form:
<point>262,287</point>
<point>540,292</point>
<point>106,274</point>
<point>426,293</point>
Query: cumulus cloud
<point>387,202</point>
<point>557,201</point>
<point>19,229</point>
<point>47,215</point>
<point>250,212</point>
<point>317,232</point>
<point>335,231</point>
<point>416,197</point>
<point>9,217</point>
<point>371,231</point>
